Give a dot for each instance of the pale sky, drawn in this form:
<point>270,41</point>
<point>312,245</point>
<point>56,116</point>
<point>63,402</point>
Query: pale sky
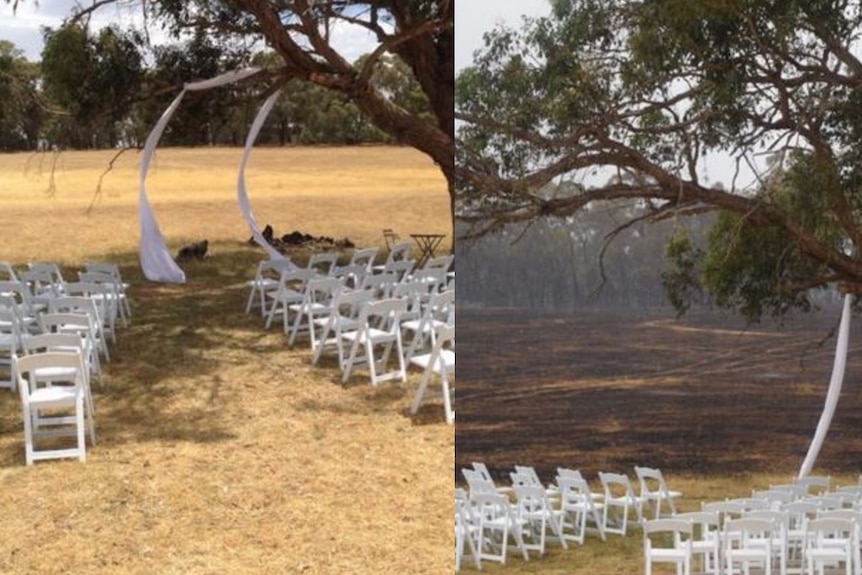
<point>475,17</point>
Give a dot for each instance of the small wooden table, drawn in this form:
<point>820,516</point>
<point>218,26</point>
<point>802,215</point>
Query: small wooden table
<point>428,244</point>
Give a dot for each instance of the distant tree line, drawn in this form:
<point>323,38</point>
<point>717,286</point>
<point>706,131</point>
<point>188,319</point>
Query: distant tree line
<point>107,89</point>
<point>612,255</point>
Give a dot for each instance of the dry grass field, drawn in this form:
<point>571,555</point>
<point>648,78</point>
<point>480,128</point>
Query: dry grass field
<point>219,449</point>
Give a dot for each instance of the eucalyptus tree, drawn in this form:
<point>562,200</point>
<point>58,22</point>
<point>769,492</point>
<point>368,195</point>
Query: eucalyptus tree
<point>93,80</point>
<point>419,33</point>
<point>655,91</point>
<point>21,111</point>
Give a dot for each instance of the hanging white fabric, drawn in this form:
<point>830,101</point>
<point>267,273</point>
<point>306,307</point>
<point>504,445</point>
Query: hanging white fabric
<point>242,196</point>
<point>835,384</point>
<point>156,261</point>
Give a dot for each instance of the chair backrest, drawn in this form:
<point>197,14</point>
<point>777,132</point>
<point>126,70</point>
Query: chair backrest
<point>439,262</point>
<point>383,314</point>
<point>382,285</point>
<point>364,257</point>
<point>41,282</point>
<point>401,268</point>
<point>678,527</point>
<point>651,481</point>
<point>482,469</point>
<point>570,473</point>
<point>815,484</point>
<point>68,342</point>
<point>433,279</point>
<point>398,252</point>
<point>323,263</point>
<point>51,268</point>
<point>25,368</point>
<point>849,514</point>
<point>7,272</point>
<point>83,324</point>
<point>21,292</point>
<point>617,485</point>
<point>322,290</point>
<point>75,304</point>
<point>10,327</point>
<point>477,482</point>
<point>705,524</point>
<point>741,532</point>
<point>109,268</point>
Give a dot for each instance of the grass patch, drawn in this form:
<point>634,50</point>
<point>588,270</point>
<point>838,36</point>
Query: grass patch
<point>219,449</point>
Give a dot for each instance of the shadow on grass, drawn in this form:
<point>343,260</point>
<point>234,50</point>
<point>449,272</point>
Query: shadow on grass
<point>164,380</point>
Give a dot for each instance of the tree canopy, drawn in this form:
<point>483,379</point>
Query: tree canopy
<point>412,36</point>
<point>635,99</point>
<point>419,33</point>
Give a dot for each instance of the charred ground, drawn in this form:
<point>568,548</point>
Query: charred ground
<point>606,391</point>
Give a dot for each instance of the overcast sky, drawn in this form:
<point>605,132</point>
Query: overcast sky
<point>475,17</point>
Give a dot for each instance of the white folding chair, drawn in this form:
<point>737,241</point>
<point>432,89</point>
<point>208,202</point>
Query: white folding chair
<point>46,403</point>
<point>435,314</point>
<point>815,484</point>
<point>378,327</point>
<point>113,270</point>
<point>316,303</point>
<point>536,514</point>
<point>10,343</point>
<point>82,325</point>
<point>66,343</point>
<point>265,279</point>
<point>667,541</point>
<point>780,524</point>
<point>705,539</point>
<point>654,491</point>
<point>466,531</point>
<point>440,361</point>
<point>747,542</point>
<point>88,306</point>
<point>364,257</point>
<point>497,524</point>
<point>830,542</point>
<point>290,290</point>
<point>619,496</point>
<point>343,317</point>
<point>580,510</point>
<point>323,263</point>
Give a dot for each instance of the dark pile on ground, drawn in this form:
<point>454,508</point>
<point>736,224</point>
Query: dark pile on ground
<point>297,239</point>
<point>602,392</point>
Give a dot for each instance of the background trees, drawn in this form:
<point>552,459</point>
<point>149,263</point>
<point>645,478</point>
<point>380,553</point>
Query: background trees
<point>654,92</point>
<point>20,114</point>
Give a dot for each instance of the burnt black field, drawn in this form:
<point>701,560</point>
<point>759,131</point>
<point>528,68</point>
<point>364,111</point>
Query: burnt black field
<point>606,391</point>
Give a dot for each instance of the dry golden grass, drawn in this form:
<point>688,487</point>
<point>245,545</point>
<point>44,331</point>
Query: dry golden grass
<point>219,449</point>
<point>352,192</point>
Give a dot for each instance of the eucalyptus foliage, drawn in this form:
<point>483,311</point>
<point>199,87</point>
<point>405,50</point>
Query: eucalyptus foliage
<point>652,91</point>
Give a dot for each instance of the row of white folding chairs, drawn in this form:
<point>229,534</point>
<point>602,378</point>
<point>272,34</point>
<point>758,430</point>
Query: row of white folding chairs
<point>68,315</point>
<point>270,275</point>
<point>41,282</point>
<point>95,300</point>
<point>568,508</point>
<point>367,331</point>
<point>773,541</point>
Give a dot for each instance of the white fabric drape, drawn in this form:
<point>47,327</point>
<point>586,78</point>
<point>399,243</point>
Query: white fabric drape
<point>242,196</point>
<point>156,261</point>
<point>834,392</point>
